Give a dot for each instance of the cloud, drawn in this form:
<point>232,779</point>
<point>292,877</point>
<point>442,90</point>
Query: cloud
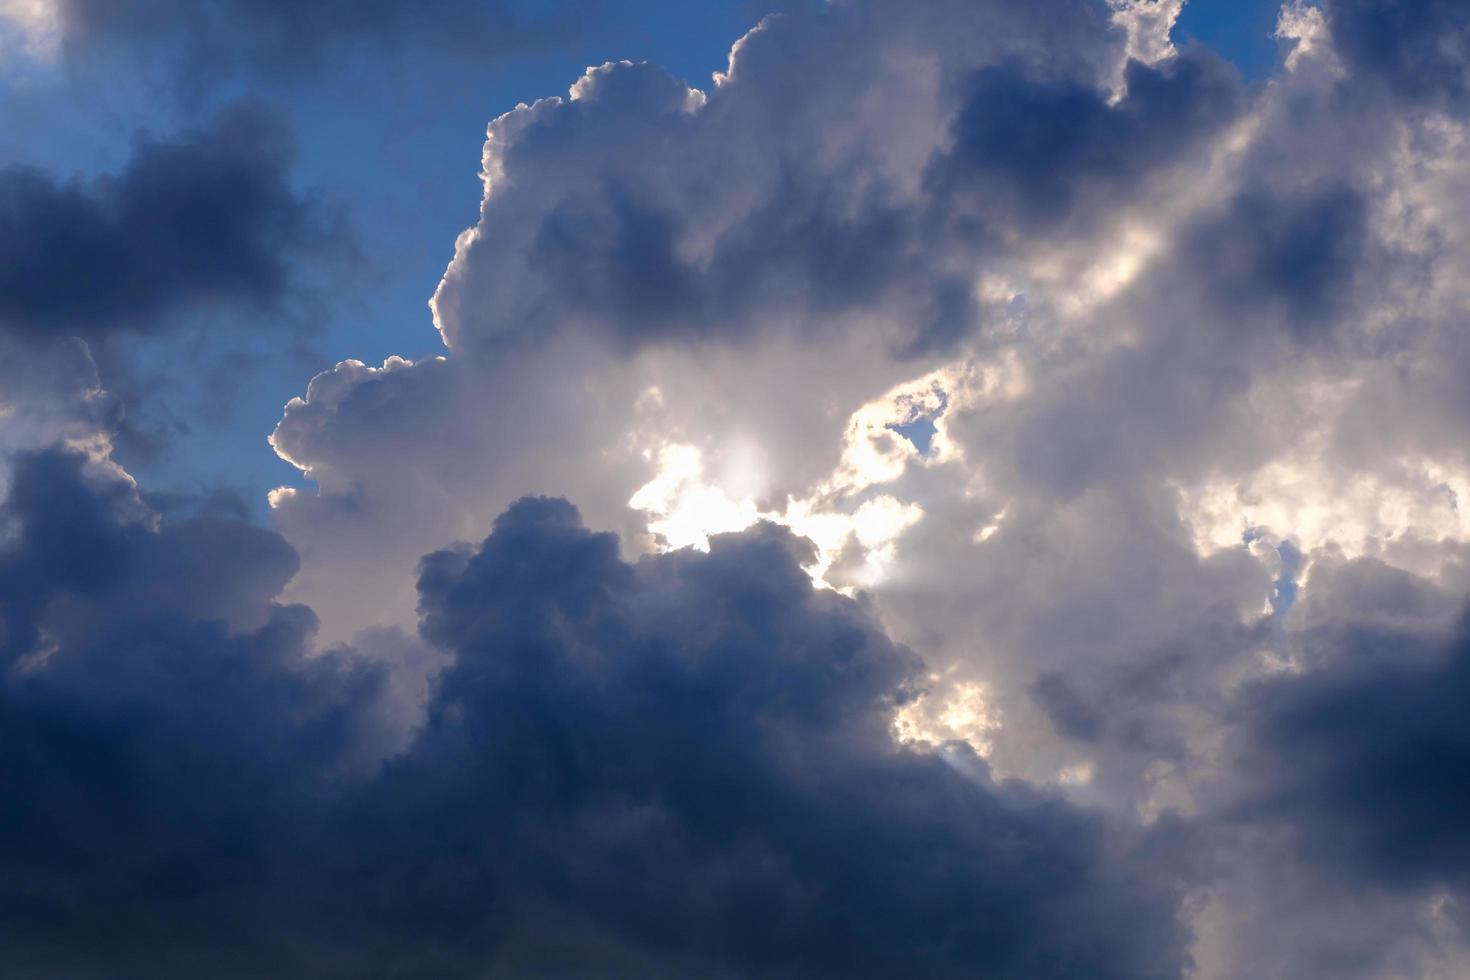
<point>680,765</point>
<point>30,27</point>
<point>163,721</point>
<point>807,217</point>
<point>205,219</point>
<point>1417,50</point>
<point>1036,151</point>
<point>1179,562</point>
<point>693,755</point>
<point>1292,256</point>
<point>1359,752</point>
<point>1332,824</point>
<point>650,210</point>
<point>204,45</point>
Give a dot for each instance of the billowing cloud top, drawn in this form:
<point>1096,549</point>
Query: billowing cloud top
<point>1026,463</point>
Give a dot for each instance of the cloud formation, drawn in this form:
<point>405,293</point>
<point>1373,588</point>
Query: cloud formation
<point>207,44</point>
<point>1186,343</point>
<point>1032,466</point>
<point>208,218</point>
<point>1415,51</point>
<point>680,765</point>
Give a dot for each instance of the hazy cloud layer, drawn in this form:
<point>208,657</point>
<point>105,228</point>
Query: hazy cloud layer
<point>211,43</point>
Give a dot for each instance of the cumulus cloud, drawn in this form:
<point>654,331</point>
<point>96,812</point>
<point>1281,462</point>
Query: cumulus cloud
<point>678,766</point>
<point>639,204</point>
<point>166,727</point>
<point>819,215</point>
<point>1036,460</point>
<point>713,732</point>
<point>1176,347</point>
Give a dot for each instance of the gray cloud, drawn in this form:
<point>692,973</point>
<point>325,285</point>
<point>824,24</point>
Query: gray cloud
<point>679,766</point>
<point>208,44</point>
<point>1180,565</point>
<point>204,219</point>
<point>1417,50</point>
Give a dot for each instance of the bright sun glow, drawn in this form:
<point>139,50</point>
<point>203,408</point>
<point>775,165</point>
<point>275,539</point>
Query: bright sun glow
<point>684,509</point>
<point>35,23</point>
<point>685,503</point>
<point>963,715</point>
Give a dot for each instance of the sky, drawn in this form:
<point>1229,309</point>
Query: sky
<point>558,488</point>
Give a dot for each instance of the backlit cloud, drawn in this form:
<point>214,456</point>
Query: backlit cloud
<point>974,488</point>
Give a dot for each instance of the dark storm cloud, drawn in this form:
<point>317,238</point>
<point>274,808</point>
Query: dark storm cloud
<point>1287,259</point>
<point>680,767</point>
<point>690,759</point>
<point>1035,151</point>
<point>1365,757</point>
<point>162,729</point>
<point>62,535</point>
<point>208,217</point>
<point>1417,50</point>
<point>209,42</point>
